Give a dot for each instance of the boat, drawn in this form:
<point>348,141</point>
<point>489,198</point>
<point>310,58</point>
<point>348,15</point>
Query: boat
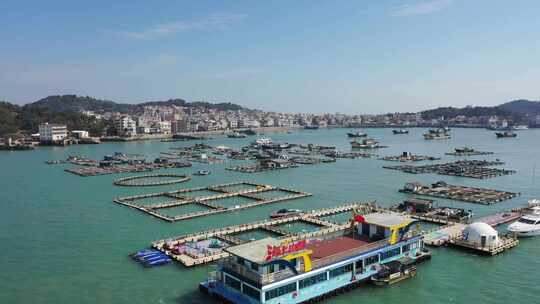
<point>311,127</point>
<point>505,134</point>
<point>151,257</point>
<point>236,135</point>
<point>520,127</point>
<point>285,212</point>
<point>394,271</point>
<point>202,172</point>
<point>440,133</point>
<point>271,270</point>
<point>369,143</point>
<point>247,132</point>
<point>261,141</point>
<point>528,224</point>
<point>400,131</point>
<point>356,134</point>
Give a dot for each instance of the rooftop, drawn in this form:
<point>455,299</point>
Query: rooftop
<point>254,251</point>
<point>386,220</point>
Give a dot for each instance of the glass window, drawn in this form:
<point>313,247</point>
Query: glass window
<point>390,253</point>
<point>340,270</point>
<point>232,282</point>
<point>406,248</point>
<point>278,292</point>
<point>371,260</point>
<point>359,267</point>
<point>255,266</point>
<point>313,280</point>
<point>251,292</point>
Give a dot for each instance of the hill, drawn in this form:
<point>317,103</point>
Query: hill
<point>522,107</point>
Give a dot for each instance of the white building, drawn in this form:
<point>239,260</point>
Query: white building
<point>126,126</point>
<point>80,134</point>
<point>50,133</point>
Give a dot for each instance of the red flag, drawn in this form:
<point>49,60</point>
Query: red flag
<point>360,219</point>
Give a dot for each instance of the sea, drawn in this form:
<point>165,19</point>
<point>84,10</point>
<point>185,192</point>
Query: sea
<point>63,240</point>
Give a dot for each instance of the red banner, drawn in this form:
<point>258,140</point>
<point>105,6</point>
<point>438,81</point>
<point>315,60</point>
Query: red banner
<point>284,248</point>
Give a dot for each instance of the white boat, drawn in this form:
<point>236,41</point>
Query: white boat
<point>528,224</point>
<point>520,127</point>
<point>263,141</point>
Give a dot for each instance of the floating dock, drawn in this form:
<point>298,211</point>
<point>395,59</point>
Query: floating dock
<point>464,168</point>
<point>207,246</point>
<point>408,157</point>
<point>209,200</point>
<point>482,196</point>
<point>467,151</point>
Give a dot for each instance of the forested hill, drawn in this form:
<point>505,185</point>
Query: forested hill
<point>67,109</point>
<point>517,110</point>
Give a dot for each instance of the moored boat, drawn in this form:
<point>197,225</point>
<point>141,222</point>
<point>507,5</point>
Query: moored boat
<point>356,134</point>
<point>440,133</point>
<point>505,134</point>
<point>400,131</point>
<point>202,172</point>
<point>529,223</point>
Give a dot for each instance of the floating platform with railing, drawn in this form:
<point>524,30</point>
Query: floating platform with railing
<point>209,200</point>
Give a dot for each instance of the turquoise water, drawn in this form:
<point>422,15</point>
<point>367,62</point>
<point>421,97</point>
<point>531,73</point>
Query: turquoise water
<point>64,241</point>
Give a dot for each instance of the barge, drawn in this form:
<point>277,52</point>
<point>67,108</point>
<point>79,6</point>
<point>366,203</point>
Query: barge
<point>282,271</point>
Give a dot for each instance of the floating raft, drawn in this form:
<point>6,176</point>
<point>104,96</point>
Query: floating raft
<point>465,168</point>
<point>209,201</point>
<point>207,246</point>
<point>407,157</point>
<point>482,196</point>
<point>145,180</point>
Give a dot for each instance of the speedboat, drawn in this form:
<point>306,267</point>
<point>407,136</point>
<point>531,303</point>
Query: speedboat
<point>400,131</point>
<point>202,172</point>
<point>261,141</point>
<point>528,224</point>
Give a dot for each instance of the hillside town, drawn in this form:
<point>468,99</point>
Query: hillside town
<point>168,121</point>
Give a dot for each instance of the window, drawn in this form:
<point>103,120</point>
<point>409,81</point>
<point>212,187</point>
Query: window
<point>232,282</point>
<point>278,292</point>
<point>340,270</point>
<point>390,253</point>
<point>251,292</point>
<point>359,267</point>
<point>313,280</point>
<point>255,267</point>
<point>371,260</point>
<point>406,248</point>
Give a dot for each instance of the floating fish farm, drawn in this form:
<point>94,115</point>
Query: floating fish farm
<point>479,169</point>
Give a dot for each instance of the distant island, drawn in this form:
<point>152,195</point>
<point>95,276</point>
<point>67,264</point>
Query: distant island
<point>108,118</point>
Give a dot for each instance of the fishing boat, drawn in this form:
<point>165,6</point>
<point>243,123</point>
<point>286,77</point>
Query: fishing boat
<point>356,134</point>
<point>394,271</point>
<point>440,133</point>
<point>236,135</point>
<point>247,132</point>
<point>285,212</point>
<point>270,270</point>
<point>366,144</point>
<point>505,134</point>
<point>400,131</point>
<point>263,141</point>
<point>529,223</point>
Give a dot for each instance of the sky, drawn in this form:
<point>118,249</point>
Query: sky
<point>346,56</point>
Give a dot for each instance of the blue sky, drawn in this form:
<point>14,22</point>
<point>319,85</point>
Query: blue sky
<point>298,56</point>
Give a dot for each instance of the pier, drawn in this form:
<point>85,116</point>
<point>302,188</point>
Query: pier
<point>207,246</point>
<point>213,199</point>
<point>482,196</point>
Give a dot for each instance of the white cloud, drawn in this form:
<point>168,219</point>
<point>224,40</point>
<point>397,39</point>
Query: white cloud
<point>212,22</point>
<point>421,8</point>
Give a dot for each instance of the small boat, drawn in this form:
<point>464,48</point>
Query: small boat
<point>311,127</point>
<point>528,224</point>
<point>505,134</point>
<point>394,271</point>
<point>356,134</point>
<point>400,131</point>
<point>440,133</point>
<point>247,132</point>
<point>366,144</point>
<point>261,141</point>
<point>202,172</point>
<point>520,127</point>
<point>236,135</point>
<point>285,212</point>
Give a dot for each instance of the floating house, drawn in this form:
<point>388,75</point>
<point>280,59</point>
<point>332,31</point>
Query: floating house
<point>280,271</point>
